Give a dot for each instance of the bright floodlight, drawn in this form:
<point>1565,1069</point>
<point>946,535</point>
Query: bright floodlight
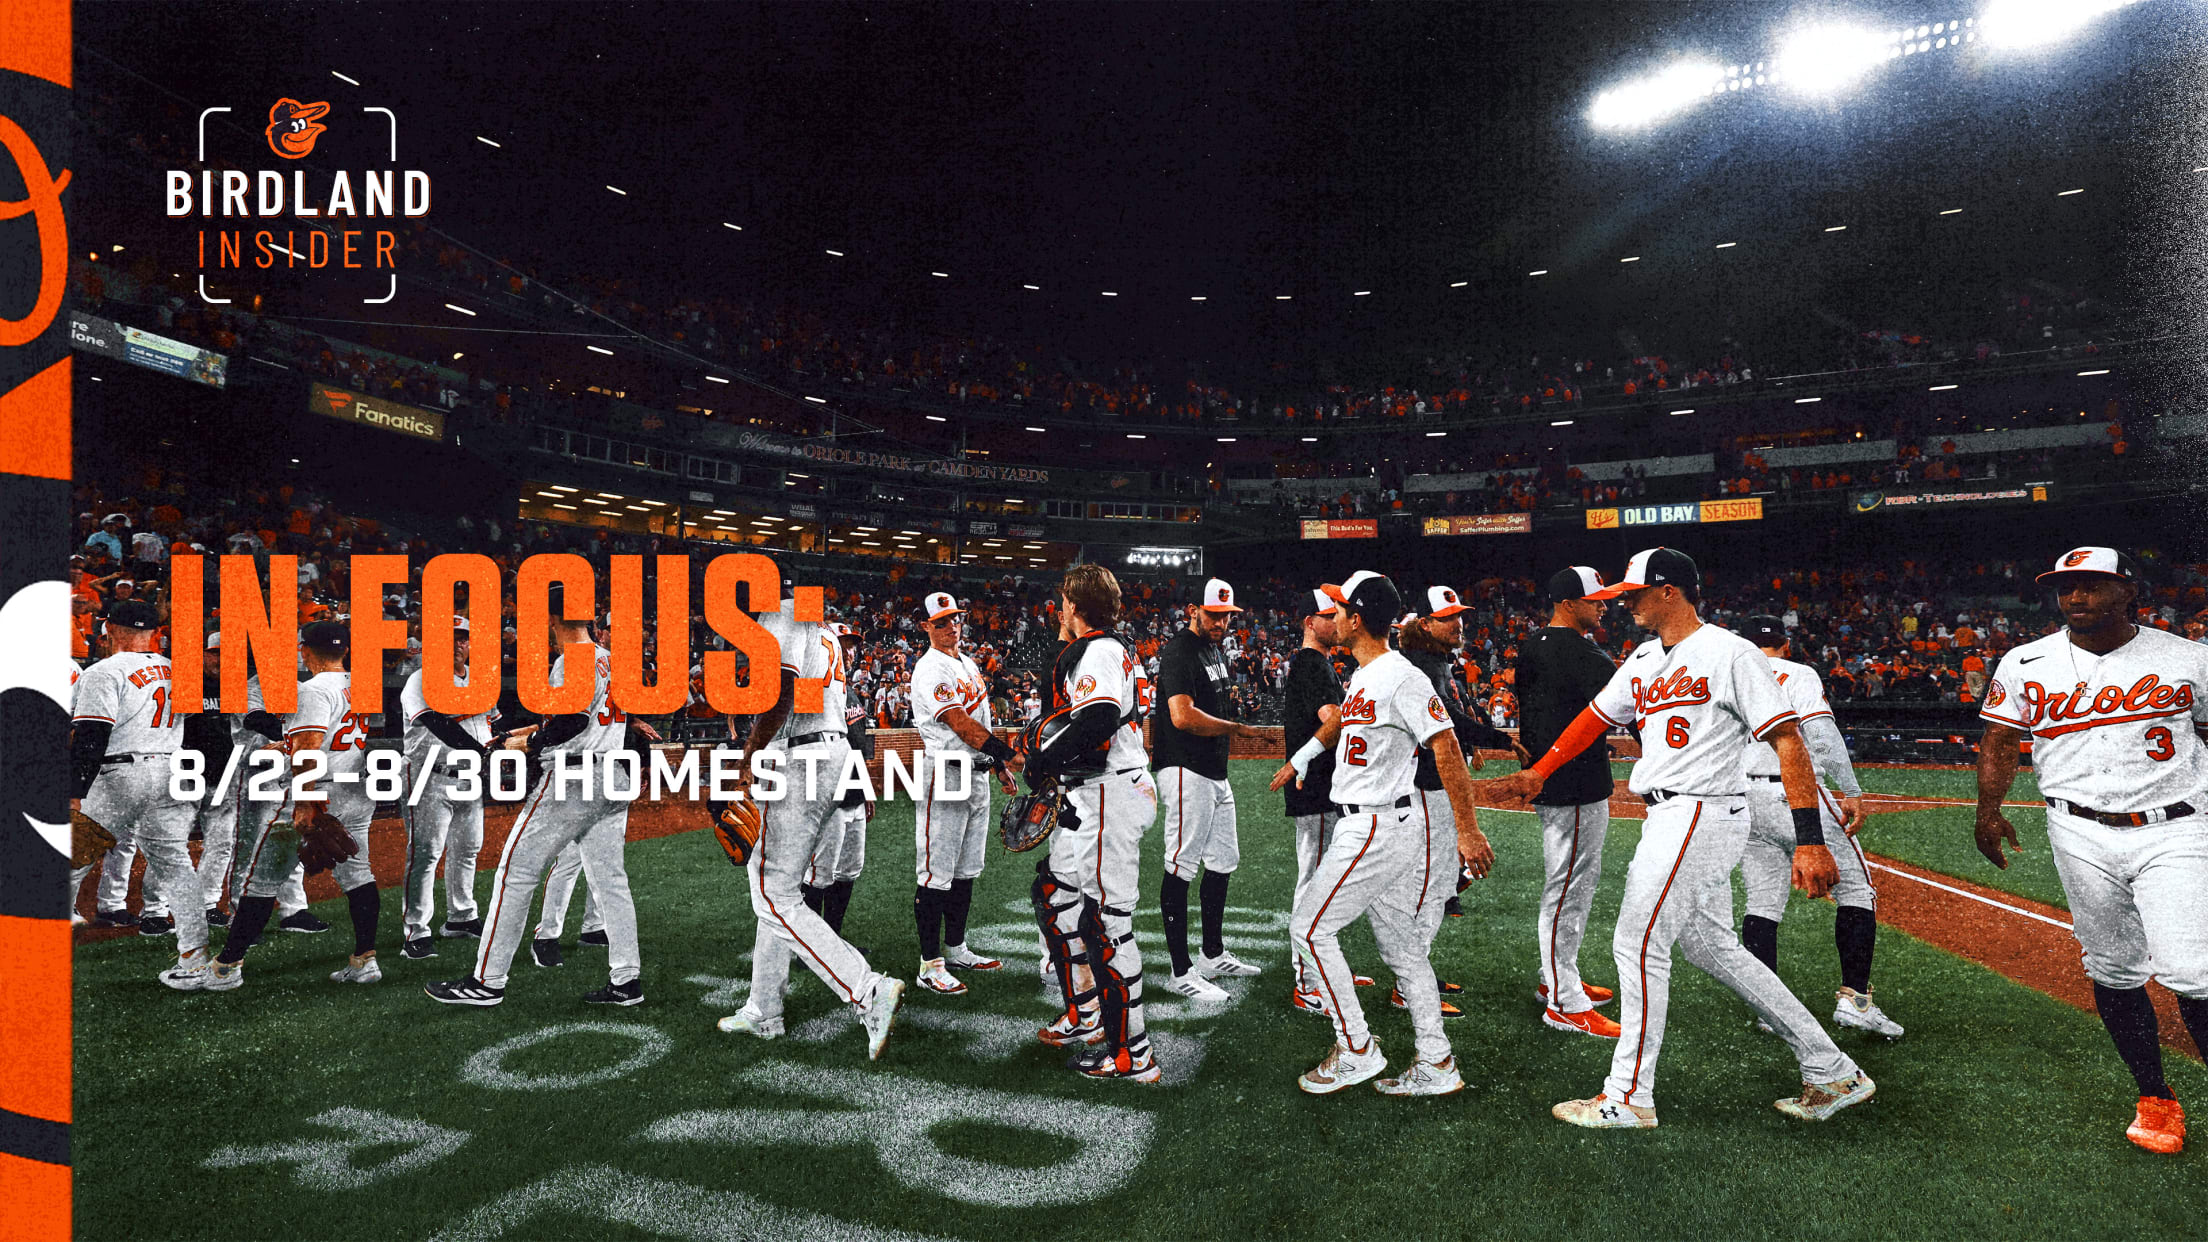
<point>1820,60</point>
<point>1648,100</point>
<point>2036,23</point>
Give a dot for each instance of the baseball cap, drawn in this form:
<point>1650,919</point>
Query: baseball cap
<point>134,614</point>
<point>1403,620</point>
<point>1442,602</point>
<point>1321,602</point>
<point>115,517</point>
<point>1654,567</point>
<point>325,636</point>
<point>2089,560</point>
<point>1369,595</point>
<point>1574,582</point>
<point>938,605</point>
<point>1764,631</point>
<point>844,632</point>
<point>214,640</point>
<point>459,625</point>
<point>1218,597</point>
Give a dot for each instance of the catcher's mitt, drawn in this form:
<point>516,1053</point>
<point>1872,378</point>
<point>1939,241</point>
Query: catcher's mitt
<point>736,826</point>
<point>1028,819</point>
<point>323,842</point>
<point>89,840</point>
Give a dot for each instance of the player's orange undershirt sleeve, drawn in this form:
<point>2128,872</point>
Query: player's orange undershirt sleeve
<point>1585,730</point>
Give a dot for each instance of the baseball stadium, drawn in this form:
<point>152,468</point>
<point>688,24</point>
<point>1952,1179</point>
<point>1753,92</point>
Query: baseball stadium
<point>1678,432</point>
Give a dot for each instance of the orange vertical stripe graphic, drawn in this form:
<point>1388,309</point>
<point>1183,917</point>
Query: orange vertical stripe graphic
<point>34,422</point>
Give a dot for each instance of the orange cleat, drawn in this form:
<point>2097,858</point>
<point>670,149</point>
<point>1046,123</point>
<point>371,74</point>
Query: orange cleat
<point>1448,1010</point>
<point>1586,1021</point>
<point>2159,1125</point>
<point>1595,995</point>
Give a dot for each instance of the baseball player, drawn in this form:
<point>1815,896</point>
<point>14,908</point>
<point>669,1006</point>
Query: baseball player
<point>1311,701</point>
<point>126,730</point>
<point>567,865</point>
<point>441,819</point>
<point>215,820</point>
<point>1376,862</point>
<point>841,855</point>
<point>2115,711</point>
<point>813,748</point>
<point>256,729</point>
<point>1085,891</point>
<point>556,814</point>
<point>111,896</point>
<point>1559,671</point>
<point>1699,694</point>
<point>1764,864</point>
<point>323,723</point>
<point>950,837</point>
<point>1189,739</point>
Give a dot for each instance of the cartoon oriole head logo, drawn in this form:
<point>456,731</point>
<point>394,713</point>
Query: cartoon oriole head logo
<point>2076,558</point>
<point>293,127</point>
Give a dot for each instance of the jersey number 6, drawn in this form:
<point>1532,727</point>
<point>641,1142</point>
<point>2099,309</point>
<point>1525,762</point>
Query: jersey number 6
<point>1675,733</point>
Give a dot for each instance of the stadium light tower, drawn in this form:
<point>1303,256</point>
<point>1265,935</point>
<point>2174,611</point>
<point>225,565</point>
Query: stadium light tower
<point>1823,59</point>
<point>1645,101</point>
<point>2037,23</point>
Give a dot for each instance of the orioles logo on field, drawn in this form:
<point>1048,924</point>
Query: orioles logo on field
<point>293,127</point>
<point>1434,709</point>
<point>2076,558</point>
<point>42,202</point>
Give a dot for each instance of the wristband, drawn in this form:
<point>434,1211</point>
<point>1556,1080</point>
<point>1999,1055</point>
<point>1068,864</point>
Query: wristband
<point>1301,760</point>
<point>997,750</point>
<point>1809,826</point>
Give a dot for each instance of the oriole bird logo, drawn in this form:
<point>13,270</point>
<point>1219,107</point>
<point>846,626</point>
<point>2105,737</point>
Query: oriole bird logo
<point>293,127</point>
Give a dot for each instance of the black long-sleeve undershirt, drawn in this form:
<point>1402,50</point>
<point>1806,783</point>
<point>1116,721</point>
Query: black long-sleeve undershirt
<point>87,747</point>
<point>447,730</point>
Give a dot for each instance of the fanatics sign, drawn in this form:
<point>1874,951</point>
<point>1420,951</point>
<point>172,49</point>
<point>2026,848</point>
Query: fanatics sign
<point>375,412</point>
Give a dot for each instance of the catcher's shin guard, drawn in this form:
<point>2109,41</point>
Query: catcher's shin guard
<point>1058,914</point>
<point>1110,935</point>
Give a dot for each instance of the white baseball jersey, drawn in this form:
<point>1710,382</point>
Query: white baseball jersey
<point>2113,732</point>
<point>1805,693</point>
<point>810,650</point>
<point>325,707</point>
<point>1391,711</point>
<point>413,704</point>
<point>939,683</point>
<point>606,726</point>
<point>1698,703</point>
<point>1108,674</point>
<point>130,690</point>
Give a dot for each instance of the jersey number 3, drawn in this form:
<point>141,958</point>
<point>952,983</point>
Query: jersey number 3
<point>2161,746</point>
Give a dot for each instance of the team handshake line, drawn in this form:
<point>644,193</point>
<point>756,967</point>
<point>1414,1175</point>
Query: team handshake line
<point>265,625</point>
<point>617,776</point>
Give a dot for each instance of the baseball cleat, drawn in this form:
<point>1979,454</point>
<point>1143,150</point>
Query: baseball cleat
<point>1194,986</point>
<point>78,920</point>
<point>217,917</point>
<point>1603,1113</point>
<point>1072,1027</point>
<point>359,970</point>
<point>2158,1126</point>
<point>749,1021</point>
<point>1309,1001</point>
<point>224,977</point>
<point>545,951</point>
<point>304,923</point>
<point>1595,995</point>
<point>1125,1064</point>
<point>630,993</point>
<point>466,928</point>
<point>881,1014</point>
<point>1424,1078</point>
<point>157,925</point>
<point>596,937</point>
<point>1586,1021</point>
<point>465,992</point>
<point>1447,988</point>
<point>1763,1026</point>
<point>1448,1010</point>
<point>189,977</point>
<point>1820,1100</point>
<point>418,949</point>
<point>1362,981</point>
<point>959,957</point>
<point>935,978</point>
<point>114,918</point>
<point>1856,1009</point>
<point>1343,1068</point>
<point>1453,908</point>
<point>1225,964</point>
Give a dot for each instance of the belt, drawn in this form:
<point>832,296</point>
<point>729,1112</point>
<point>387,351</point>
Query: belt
<point>1773,779</point>
<point>133,757</point>
<point>2124,819</point>
<point>1400,804</point>
<point>1656,796</point>
<point>806,739</point>
<point>1085,782</point>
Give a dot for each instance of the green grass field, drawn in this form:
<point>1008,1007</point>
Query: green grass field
<point>2001,1111</point>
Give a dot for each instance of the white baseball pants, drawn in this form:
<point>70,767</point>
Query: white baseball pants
<point>1312,832</point>
<point>1571,861</point>
<point>789,834</point>
<point>1373,866</point>
<point>547,825</point>
<point>351,807</point>
<point>841,854</point>
<point>559,893</point>
<point>447,829</point>
<point>1767,864</point>
<point>133,798</point>
<point>1436,820</point>
<point>950,836</point>
<point>2138,899</point>
<point>1100,853</point>
<point>217,822</point>
<point>291,886</point>
<point>1200,833</point>
<point>1679,890</point>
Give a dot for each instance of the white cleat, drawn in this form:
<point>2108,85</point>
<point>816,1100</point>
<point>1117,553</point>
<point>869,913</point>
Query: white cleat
<point>1194,986</point>
<point>1604,1113</point>
<point>881,1014</point>
<point>1225,964</point>
<point>963,958</point>
<point>1343,1068</point>
<point>358,970</point>
<point>749,1021</point>
<point>187,978</point>
<point>1856,1009</point>
<point>224,977</point>
<point>935,977</point>
<point>1424,1078</point>
<point>1820,1100</point>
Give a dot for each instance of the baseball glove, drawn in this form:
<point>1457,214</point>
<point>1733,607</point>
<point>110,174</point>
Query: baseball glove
<point>1028,819</point>
<point>323,842</point>
<point>736,827</point>
<point>89,840</point>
